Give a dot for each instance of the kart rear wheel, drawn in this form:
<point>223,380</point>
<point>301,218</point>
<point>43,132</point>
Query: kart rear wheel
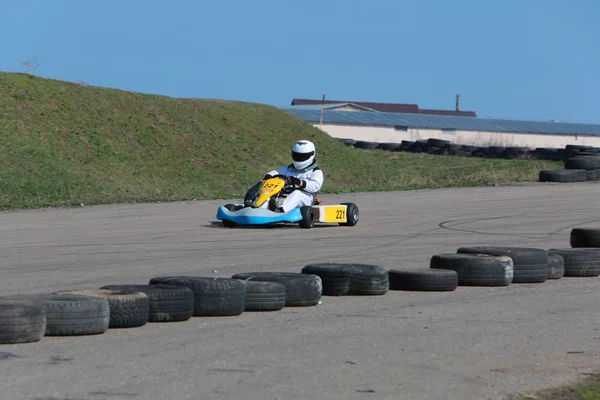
<point>352,214</point>
<point>308,217</point>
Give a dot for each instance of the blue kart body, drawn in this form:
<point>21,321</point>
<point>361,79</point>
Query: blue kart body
<point>257,216</point>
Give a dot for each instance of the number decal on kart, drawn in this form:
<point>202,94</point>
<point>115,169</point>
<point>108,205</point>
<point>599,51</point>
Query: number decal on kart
<point>340,214</point>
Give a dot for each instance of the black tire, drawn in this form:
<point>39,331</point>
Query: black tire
<point>352,214</point>
<point>264,296</point>
<point>453,147</point>
<point>308,217</point>
<point>514,152</point>
<point>437,142</point>
<point>71,315</point>
<point>530,265</point>
<point>580,262</point>
<point>589,153</point>
<point>213,296</point>
<point>301,290</point>
<point>234,207</point>
<point>556,266</point>
<point>438,280</point>
<point>587,163</point>
<point>402,148</point>
<point>495,150</point>
<point>388,146</point>
<point>362,144</point>
<point>431,149</point>
<point>227,223</point>
<point>340,279</point>
<point>563,175</point>
<point>476,269</point>
<point>367,280</point>
<point>577,147</point>
<point>591,175</point>
<point>335,281</point>
<point>585,237</point>
<point>21,321</point>
<point>128,308</point>
<point>166,303</point>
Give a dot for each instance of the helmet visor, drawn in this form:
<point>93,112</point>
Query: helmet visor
<point>302,156</point>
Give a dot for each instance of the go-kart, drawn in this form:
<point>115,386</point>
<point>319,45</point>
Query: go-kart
<point>273,191</point>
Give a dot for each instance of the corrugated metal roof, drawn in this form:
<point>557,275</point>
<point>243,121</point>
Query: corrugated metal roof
<point>425,121</point>
<point>328,106</point>
<point>387,107</point>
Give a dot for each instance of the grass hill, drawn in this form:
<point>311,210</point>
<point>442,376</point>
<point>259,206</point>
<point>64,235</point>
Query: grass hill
<point>64,144</point>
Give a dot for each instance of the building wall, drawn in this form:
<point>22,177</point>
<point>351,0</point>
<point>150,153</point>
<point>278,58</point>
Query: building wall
<point>477,138</point>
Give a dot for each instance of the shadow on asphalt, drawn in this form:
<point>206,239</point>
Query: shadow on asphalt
<point>275,225</point>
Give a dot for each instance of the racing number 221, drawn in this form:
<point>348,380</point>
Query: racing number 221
<point>340,214</point>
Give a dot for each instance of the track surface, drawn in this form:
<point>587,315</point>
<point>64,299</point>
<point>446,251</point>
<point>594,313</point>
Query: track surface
<point>473,343</point>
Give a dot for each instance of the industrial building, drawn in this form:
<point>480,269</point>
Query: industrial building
<point>367,122</point>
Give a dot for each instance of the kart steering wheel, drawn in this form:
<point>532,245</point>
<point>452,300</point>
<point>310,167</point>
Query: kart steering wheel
<point>284,177</point>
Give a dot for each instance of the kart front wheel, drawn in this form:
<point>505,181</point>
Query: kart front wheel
<point>233,207</point>
<point>351,214</point>
<point>227,223</point>
<point>308,217</point>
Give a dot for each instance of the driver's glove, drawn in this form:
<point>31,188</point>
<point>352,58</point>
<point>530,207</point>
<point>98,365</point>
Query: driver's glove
<point>292,180</point>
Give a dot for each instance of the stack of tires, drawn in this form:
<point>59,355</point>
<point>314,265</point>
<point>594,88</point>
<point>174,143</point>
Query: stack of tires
<point>548,153</point>
<point>581,165</point>
<point>446,147</point>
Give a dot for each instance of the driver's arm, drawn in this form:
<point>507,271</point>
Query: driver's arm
<point>315,182</point>
<point>280,171</point>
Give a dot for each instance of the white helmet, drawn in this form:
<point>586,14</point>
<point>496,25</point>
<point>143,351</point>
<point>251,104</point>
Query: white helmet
<point>303,154</point>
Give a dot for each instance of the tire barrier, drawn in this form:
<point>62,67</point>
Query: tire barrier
<point>128,308</point>
<point>340,279</point>
<point>264,296</point>
<point>167,303</point>
<point>432,280</point>
<point>582,163</point>
<point>166,299</point>
<point>301,290</point>
<point>212,296</point>
<point>446,147</point>
<point>529,265</point>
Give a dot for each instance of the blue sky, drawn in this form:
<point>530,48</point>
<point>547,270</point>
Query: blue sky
<point>525,59</point>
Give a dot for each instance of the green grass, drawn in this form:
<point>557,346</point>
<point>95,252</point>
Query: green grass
<point>586,389</point>
<point>64,144</point>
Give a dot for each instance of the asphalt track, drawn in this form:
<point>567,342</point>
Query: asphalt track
<point>473,343</point>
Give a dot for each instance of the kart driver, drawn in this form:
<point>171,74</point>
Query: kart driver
<point>305,179</point>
